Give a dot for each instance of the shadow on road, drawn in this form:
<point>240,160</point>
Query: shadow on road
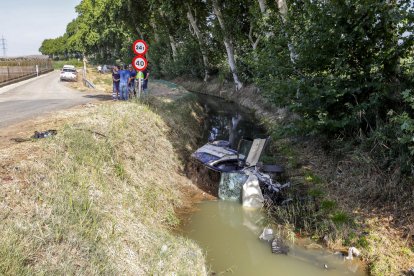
<point>100,97</point>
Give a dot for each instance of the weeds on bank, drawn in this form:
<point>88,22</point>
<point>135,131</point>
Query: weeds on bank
<point>311,212</point>
<point>100,204</point>
<point>314,213</point>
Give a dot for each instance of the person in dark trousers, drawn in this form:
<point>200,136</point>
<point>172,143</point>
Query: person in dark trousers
<point>131,81</point>
<point>115,81</point>
<point>145,81</point>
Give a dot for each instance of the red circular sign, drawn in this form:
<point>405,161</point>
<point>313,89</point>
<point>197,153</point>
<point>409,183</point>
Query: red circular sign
<point>140,47</point>
<point>140,63</point>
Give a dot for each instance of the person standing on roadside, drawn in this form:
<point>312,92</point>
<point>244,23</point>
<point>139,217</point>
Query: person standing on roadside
<point>131,81</point>
<point>115,80</point>
<point>145,81</point>
<point>123,83</point>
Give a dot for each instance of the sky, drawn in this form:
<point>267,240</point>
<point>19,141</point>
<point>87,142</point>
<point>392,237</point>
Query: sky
<point>26,23</point>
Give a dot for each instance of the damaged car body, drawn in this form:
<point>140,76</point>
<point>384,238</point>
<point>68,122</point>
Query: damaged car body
<point>243,177</point>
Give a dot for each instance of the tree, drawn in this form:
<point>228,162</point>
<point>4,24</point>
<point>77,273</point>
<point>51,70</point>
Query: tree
<point>228,43</point>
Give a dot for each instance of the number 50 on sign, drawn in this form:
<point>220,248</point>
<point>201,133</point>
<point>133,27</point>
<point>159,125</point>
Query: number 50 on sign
<point>140,63</point>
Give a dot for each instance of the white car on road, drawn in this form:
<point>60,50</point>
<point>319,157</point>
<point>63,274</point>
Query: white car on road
<point>69,73</point>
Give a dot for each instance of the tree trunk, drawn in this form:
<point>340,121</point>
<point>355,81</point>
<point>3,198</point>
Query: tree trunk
<point>173,47</point>
<point>228,44</point>
<point>281,4</point>
<point>141,35</point>
<point>283,10</point>
<point>252,41</point>
<point>255,42</point>
<point>154,28</point>
<point>200,42</point>
<point>262,4</point>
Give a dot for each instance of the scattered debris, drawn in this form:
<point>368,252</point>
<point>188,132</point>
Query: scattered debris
<point>278,247</point>
<point>267,235</point>
<point>351,252</point>
<point>325,266</point>
<point>91,131</point>
<point>44,134</point>
<point>252,196</point>
<point>36,135</point>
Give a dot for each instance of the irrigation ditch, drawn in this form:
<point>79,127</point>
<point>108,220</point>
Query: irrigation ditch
<point>334,194</point>
<point>230,233</point>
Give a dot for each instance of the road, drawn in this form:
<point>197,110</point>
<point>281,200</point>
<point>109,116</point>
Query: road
<point>38,96</point>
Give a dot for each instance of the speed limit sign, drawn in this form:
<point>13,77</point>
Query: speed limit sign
<point>140,47</point>
<point>140,63</point>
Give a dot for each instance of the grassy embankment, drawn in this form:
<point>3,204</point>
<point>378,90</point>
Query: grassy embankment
<point>100,197</point>
<point>341,197</point>
<point>333,205</point>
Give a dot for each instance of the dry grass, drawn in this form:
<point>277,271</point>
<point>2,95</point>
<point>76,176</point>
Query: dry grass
<point>349,203</point>
<point>388,254</point>
<point>100,197</point>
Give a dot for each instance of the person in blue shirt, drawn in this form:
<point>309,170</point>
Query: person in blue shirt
<point>123,83</point>
<point>131,83</point>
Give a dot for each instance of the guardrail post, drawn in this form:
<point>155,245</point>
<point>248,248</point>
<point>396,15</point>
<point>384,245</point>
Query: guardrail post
<point>8,73</point>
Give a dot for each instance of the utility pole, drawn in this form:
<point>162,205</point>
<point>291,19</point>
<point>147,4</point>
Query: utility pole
<point>3,45</point>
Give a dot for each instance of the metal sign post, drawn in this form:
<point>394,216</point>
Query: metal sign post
<point>140,77</point>
<point>139,85</point>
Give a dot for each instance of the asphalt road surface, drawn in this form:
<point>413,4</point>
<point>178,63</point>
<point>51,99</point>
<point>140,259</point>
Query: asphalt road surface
<point>38,96</point>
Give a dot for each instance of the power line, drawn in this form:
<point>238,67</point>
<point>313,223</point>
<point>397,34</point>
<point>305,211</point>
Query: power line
<point>3,45</point>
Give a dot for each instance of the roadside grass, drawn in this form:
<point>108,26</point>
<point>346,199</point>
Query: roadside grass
<point>389,254</point>
<point>100,198</point>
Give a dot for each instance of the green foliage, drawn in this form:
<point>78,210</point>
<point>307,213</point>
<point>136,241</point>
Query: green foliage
<point>344,67</point>
<point>405,121</point>
<point>313,178</point>
<point>340,218</point>
<point>328,206</point>
<point>316,192</point>
<point>362,242</point>
<point>59,64</point>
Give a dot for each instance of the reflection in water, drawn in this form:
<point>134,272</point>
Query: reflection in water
<point>229,234</point>
<point>227,121</point>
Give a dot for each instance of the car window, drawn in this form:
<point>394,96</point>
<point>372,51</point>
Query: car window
<point>69,70</point>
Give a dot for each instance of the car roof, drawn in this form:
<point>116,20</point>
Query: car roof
<point>68,67</point>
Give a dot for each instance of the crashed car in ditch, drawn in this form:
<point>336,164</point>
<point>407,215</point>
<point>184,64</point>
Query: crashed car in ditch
<point>242,175</point>
<point>218,155</point>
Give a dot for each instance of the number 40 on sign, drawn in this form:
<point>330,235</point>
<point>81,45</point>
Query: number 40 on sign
<point>140,63</point>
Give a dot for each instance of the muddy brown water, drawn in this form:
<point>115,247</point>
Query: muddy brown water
<point>229,233</point>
